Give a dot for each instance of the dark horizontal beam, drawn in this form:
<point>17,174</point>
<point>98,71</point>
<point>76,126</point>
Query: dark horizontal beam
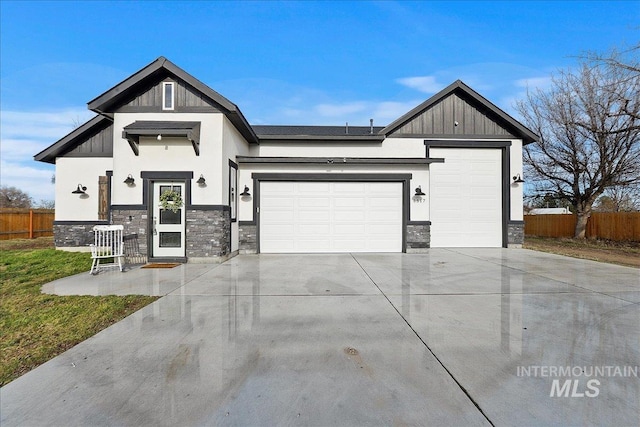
<point>463,143</point>
<point>340,160</point>
<point>326,177</point>
<point>307,138</point>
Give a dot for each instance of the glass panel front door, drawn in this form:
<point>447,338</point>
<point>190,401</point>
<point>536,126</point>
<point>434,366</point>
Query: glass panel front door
<point>168,224</point>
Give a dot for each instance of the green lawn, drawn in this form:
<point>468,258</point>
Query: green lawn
<point>36,327</point>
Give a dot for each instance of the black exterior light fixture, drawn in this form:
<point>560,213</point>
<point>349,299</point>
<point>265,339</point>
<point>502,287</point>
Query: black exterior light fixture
<point>245,193</point>
<point>130,180</point>
<point>201,180</point>
<point>419,191</point>
<point>517,179</point>
<point>80,190</point>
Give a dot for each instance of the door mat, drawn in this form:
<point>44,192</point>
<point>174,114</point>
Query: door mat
<point>161,265</point>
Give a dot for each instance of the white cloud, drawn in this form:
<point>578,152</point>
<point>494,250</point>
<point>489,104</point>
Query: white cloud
<point>19,149</point>
<point>34,179</point>
<point>51,125</point>
<point>425,84</point>
<point>356,113</point>
<point>24,134</point>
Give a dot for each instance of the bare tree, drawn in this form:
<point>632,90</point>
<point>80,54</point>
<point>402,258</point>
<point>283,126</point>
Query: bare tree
<point>622,60</point>
<point>619,199</point>
<point>589,127</point>
<point>12,197</point>
<point>47,204</point>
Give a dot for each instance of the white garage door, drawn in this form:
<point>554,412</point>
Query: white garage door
<point>466,198</point>
<point>330,217</point>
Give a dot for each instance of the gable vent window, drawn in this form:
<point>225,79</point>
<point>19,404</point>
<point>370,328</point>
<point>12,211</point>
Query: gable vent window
<point>167,95</point>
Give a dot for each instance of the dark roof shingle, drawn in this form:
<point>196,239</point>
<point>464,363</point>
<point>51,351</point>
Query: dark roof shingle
<point>329,131</point>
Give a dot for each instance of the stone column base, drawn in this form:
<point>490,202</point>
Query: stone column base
<point>418,236</point>
<point>515,234</point>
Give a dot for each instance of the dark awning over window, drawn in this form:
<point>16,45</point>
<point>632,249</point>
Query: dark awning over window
<point>189,130</point>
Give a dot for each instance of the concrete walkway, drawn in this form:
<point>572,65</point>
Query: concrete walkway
<point>452,337</point>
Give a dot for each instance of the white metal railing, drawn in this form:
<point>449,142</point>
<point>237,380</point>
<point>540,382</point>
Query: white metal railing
<point>108,244</point>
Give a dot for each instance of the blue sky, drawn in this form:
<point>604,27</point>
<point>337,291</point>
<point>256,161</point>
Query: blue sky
<point>282,62</point>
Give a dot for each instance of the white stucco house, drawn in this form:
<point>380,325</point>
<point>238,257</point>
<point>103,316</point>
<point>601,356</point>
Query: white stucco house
<point>445,174</point>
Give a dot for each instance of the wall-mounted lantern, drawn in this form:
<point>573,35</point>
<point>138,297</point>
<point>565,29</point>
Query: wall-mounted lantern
<point>201,181</point>
<point>419,191</point>
<point>517,179</point>
<point>80,190</point>
<point>245,193</point>
<point>130,180</point>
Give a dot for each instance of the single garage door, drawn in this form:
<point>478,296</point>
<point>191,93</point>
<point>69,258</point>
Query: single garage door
<point>466,198</point>
<point>330,217</point>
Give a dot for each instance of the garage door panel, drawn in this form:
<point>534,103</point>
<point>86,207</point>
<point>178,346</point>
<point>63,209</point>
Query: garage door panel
<point>313,229</point>
<point>308,245</point>
<point>350,229</point>
<point>313,202</point>
<point>274,217</point>
<point>285,189</point>
<point>281,245</point>
<point>466,198</point>
<point>308,187</point>
<point>482,166</point>
<point>348,216</point>
<point>348,187</point>
<point>382,188</point>
<point>383,216</point>
<point>283,229</point>
<point>279,202</point>
<point>483,218</point>
<point>379,229</point>
<point>383,202</point>
<point>344,217</point>
<point>347,202</point>
<point>311,216</point>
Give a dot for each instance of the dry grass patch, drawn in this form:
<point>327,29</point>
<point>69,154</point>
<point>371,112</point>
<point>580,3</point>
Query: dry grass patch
<point>38,243</point>
<point>621,253</point>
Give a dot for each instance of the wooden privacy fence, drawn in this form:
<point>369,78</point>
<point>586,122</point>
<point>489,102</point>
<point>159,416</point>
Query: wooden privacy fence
<point>26,223</point>
<point>619,226</point>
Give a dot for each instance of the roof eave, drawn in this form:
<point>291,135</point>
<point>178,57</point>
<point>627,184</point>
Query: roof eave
<point>64,144</point>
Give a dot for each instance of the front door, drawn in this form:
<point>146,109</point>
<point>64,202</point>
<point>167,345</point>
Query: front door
<point>168,224</point>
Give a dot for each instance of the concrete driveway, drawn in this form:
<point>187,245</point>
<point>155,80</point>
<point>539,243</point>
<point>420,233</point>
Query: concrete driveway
<point>452,337</point>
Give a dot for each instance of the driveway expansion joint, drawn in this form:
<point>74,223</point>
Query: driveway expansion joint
<point>464,390</point>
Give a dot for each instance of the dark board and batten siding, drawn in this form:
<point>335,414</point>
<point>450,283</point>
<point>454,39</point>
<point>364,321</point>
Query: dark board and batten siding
<point>185,97</point>
<point>100,144</point>
<point>441,117</point>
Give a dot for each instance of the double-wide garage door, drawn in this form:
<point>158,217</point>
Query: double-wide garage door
<point>330,217</point>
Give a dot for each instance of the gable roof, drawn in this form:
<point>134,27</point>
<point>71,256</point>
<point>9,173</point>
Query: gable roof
<point>73,139</point>
<point>502,118</point>
<point>123,91</point>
